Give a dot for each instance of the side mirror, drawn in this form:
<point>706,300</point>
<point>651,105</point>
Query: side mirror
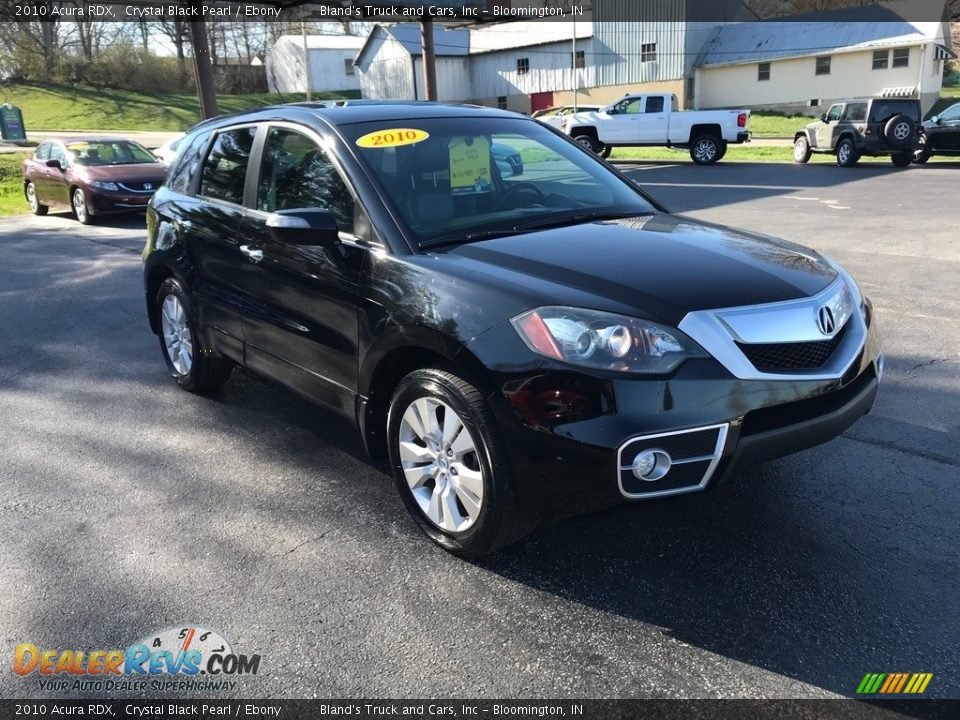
<point>823,117</point>
<point>304,226</point>
<point>54,164</point>
<point>935,119</point>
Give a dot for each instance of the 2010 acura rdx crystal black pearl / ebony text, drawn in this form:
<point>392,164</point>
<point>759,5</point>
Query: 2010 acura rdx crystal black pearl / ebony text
<point>523,340</point>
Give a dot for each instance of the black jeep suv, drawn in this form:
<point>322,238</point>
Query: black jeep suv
<point>871,126</point>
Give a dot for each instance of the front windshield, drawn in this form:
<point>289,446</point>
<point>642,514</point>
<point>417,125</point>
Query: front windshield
<point>109,152</point>
<point>456,179</point>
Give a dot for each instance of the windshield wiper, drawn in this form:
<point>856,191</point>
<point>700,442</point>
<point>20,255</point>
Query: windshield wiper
<point>533,226</point>
<point>568,220</point>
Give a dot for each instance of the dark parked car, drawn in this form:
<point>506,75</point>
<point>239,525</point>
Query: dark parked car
<point>941,135</point>
<point>91,176</point>
<point>854,128</point>
<point>508,159</point>
<point>520,349</point>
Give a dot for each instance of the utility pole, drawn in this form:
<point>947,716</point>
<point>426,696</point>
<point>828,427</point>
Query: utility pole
<point>429,60</point>
<point>306,59</point>
<point>203,70</point>
<point>573,62</point>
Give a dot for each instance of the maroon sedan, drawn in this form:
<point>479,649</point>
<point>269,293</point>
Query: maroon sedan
<point>92,176</point>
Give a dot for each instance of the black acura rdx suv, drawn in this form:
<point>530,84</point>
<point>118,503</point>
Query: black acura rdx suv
<point>522,341</point>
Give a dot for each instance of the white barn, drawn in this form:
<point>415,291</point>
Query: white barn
<point>331,63</point>
<point>390,63</point>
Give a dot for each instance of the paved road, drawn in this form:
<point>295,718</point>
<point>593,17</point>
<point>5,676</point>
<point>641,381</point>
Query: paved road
<point>128,506</point>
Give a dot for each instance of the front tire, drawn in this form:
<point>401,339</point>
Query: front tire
<point>589,142</point>
<point>78,200</point>
<point>33,201</point>
<point>705,150</point>
<point>193,367</point>
<point>847,155</point>
<point>922,154</point>
<point>450,464</point>
<point>801,150</point>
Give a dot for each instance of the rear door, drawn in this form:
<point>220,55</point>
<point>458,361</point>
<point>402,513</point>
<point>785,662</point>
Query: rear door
<point>208,220</point>
<point>653,125</point>
<point>300,302</point>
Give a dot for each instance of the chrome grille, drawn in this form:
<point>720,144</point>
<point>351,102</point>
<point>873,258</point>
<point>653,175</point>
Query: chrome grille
<point>140,187</point>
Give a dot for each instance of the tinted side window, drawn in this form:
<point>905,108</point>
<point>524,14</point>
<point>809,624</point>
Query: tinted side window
<point>225,169</point>
<point>951,113</point>
<point>187,163</point>
<point>855,112</point>
<point>58,153</point>
<point>296,173</point>
<point>883,110</point>
<point>654,104</point>
<point>43,152</point>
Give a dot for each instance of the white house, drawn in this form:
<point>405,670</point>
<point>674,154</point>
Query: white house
<point>331,63</point>
<point>805,64</point>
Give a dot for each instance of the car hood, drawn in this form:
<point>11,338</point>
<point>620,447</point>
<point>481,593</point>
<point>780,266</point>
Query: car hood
<point>659,267</point>
<point>140,172</point>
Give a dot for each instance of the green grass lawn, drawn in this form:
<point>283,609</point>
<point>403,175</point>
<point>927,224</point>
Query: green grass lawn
<point>65,107</point>
<point>764,124</point>
<point>12,201</point>
<point>740,153</point>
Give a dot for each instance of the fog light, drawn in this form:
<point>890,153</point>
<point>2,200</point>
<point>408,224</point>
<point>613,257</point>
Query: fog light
<point>650,465</point>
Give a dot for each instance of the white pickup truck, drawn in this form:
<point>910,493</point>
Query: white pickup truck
<point>650,120</point>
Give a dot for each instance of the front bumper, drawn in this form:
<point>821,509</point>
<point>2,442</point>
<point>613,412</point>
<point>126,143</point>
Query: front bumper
<point>106,202</point>
<point>572,437</point>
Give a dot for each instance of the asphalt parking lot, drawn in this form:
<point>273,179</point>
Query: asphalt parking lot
<point>129,506</point>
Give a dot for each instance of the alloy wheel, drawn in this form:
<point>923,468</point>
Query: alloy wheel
<point>32,198</point>
<point>79,205</point>
<point>705,150</point>
<point>439,458</point>
<point>901,131</point>
<point>843,153</point>
<point>177,338</point>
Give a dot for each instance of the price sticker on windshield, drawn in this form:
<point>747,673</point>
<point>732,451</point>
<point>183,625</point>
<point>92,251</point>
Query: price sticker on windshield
<point>394,137</point>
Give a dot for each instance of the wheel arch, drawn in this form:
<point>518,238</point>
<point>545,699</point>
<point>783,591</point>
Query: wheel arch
<point>585,130</point>
<point>388,369</point>
<point>152,282</point>
<point>711,129</point>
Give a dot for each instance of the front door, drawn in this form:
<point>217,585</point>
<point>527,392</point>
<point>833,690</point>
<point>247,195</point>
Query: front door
<point>623,122</point>
<point>947,134</point>
<point>300,301</point>
<point>826,130</point>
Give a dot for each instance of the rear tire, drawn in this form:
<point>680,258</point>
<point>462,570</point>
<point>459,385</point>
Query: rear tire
<point>847,155</point>
<point>902,160</point>
<point>194,367</point>
<point>605,152</point>
<point>450,464</point>
<point>801,150</point>
<point>589,142</point>
<point>922,154</point>
<point>705,150</point>
<point>35,206</point>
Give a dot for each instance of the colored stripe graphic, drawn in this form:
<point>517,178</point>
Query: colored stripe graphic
<point>894,683</point>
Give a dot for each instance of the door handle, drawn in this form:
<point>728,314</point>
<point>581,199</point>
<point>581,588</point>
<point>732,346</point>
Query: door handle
<point>254,254</point>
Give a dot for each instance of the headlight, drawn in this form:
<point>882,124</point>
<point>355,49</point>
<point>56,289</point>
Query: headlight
<point>102,185</point>
<point>604,341</point>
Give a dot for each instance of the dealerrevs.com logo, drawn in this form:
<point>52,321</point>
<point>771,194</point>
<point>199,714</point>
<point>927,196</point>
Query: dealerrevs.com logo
<point>179,658</point>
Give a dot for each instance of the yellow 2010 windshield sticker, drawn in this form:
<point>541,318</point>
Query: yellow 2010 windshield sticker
<point>393,137</point>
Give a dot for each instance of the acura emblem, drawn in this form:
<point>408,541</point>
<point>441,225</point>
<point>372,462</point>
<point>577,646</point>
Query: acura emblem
<point>825,320</point>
